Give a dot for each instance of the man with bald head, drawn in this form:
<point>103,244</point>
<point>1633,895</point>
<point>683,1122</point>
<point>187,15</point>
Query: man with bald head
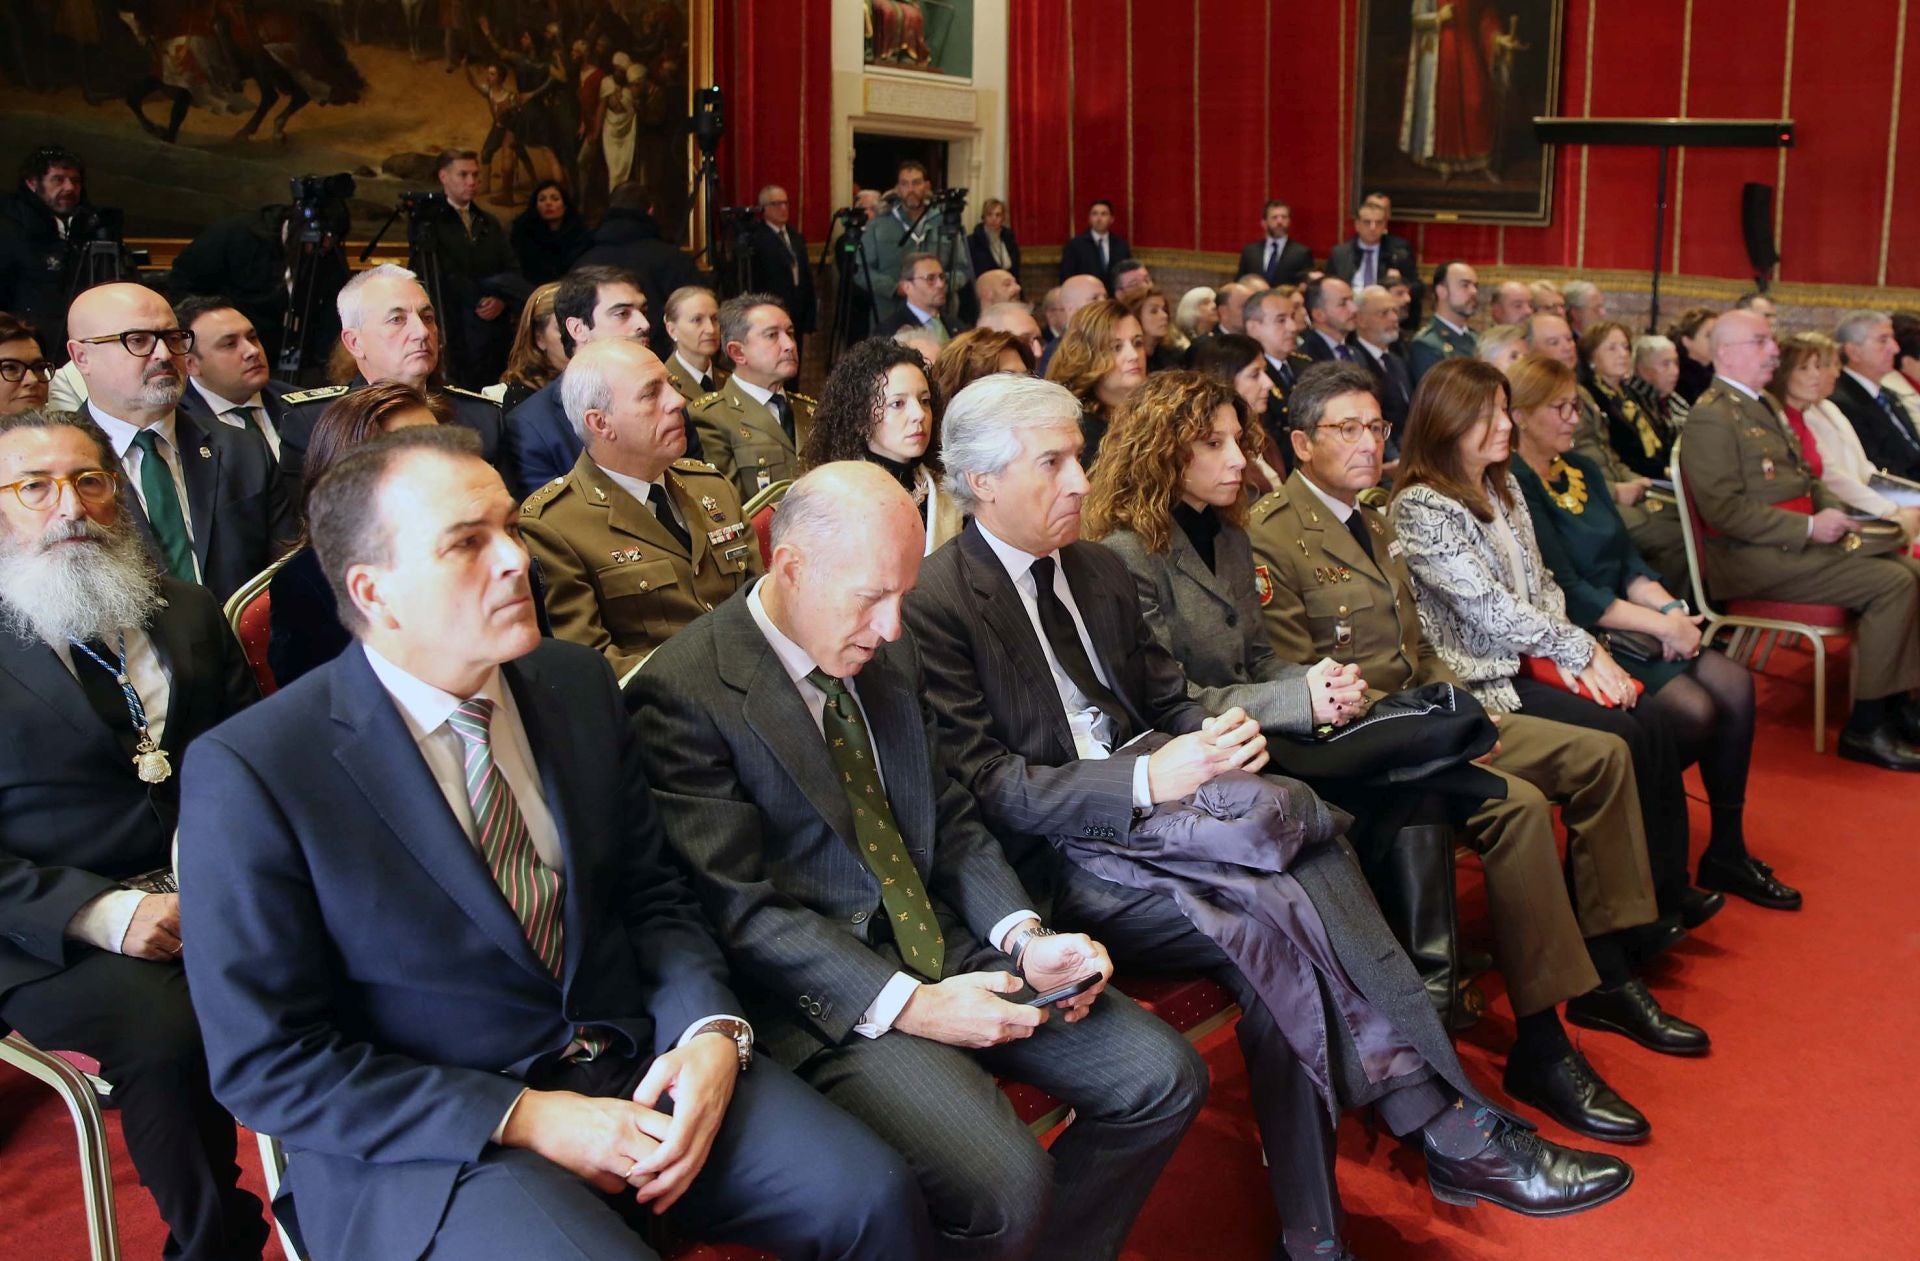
<point>996,286</point>
<point>1775,532</point>
<point>635,541</point>
<point>789,730</point>
<point>1015,318</point>
<point>390,327</point>
<point>209,499</point>
<point>1075,292</point>
<point>1512,303</point>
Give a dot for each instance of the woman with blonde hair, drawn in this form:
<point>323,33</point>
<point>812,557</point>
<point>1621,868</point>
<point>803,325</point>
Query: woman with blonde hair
<point>537,357</point>
<point>1155,312</point>
<point>976,353</point>
<point>1101,359</point>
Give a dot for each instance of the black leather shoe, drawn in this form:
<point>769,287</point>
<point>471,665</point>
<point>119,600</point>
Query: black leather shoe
<point>1526,1174</point>
<point>1883,747</point>
<point>1631,1010</point>
<point>1748,878</point>
<point>1649,941</point>
<point>1566,1088</point>
<point>1697,906</point>
<point>1907,722</point>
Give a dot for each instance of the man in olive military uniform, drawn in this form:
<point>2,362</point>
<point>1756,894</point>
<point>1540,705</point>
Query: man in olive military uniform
<point>752,427</point>
<point>1650,518</point>
<point>1774,532</point>
<point>1456,296</point>
<point>392,331</point>
<point>1332,582</point>
<point>1268,319</point>
<point>635,542</point>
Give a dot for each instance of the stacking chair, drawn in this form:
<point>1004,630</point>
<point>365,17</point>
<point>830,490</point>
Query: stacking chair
<point>83,1105</point>
<point>248,612</point>
<point>759,510</point>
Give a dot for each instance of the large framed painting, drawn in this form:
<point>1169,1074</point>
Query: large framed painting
<point>1447,94</point>
<point>933,36</point>
<point>187,111</point>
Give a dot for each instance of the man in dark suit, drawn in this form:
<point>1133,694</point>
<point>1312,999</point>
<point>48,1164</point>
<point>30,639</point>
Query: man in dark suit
<point>229,380</point>
<point>779,260</point>
<point>389,326</point>
<point>629,237</point>
<point>1366,257</point>
<point>1273,257</point>
<point>1393,244</point>
<point>1074,730</point>
<point>751,716</point>
<point>1268,319</point>
<point>89,933</point>
<point>1330,312</point>
<point>439,949</point>
<point>1888,431</point>
<point>1095,251</point>
<point>480,279</point>
<point>1376,335</point>
<point>923,296</point>
<point>593,303</point>
<point>210,499</point>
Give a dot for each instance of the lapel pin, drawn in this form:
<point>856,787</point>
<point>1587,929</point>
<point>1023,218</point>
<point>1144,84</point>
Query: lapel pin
<point>206,453</point>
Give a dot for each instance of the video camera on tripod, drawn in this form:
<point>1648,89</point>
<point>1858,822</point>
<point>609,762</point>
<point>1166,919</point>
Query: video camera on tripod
<point>951,203</point>
<point>316,232</point>
<point>96,253</point>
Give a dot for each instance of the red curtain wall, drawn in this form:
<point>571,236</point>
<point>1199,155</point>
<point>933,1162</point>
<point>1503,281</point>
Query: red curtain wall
<point>1124,99</point>
<point>774,62</point>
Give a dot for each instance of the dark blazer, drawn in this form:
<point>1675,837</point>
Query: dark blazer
<point>902,318</point>
<point>1081,257</point>
<point>1002,726</point>
<point>237,503</point>
<point>1394,386</point>
<point>772,272</point>
<point>273,394</point>
<point>982,257</point>
<point>366,993</point>
<point>1296,260</point>
<point>1315,347</point>
<point>74,817</point>
<point>751,801</point>
<point>1343,260</point>
<point>1888,444</point>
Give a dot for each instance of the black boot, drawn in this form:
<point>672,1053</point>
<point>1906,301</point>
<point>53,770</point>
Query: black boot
<point>1414,884</point>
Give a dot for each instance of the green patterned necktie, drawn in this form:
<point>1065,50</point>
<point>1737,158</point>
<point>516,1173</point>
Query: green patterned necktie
<point>922,948</point>
<point>163,507</point>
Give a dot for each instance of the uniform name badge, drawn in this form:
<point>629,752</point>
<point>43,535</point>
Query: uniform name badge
<point>1342,630</point>
<point>1766,467</point>
<point>762,479</point>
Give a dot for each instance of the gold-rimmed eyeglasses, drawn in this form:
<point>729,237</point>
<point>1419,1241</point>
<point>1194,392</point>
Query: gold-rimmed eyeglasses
<point>1349,431</point>
<point>92,486</point>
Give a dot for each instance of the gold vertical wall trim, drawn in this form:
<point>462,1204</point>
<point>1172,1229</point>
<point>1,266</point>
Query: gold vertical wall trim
<point>1073,192</point>
<point>1893,138</point>
<point>1680,162</point>
<point>1786,111</point>
<point>1197,203</point>
<point>1127,17</point>
<point>1586,111</point>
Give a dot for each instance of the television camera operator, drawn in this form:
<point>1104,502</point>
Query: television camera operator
<point>47,226</point>
<point>920,221</point>
<point>480,287</point>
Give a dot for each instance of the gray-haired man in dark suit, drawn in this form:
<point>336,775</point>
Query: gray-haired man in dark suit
<point>1075,731</point>
<point>883,945</point>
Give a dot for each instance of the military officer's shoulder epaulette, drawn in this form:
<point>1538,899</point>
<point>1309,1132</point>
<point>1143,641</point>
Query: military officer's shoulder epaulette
<point>707,400</point>
<point>472,394</point>
<point>314,396</point>
<point>1374,499</point>
<point>698,468</point>
<point>1269,503</point>
<point>535,503</point>
<point>1300,358</point>
<point>795,394</point>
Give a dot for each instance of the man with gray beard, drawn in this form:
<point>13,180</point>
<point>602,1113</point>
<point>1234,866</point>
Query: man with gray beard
<point>209,499</point>
<point>108,670</point>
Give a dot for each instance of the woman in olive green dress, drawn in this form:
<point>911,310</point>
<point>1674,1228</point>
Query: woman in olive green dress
<point>1708,698</point>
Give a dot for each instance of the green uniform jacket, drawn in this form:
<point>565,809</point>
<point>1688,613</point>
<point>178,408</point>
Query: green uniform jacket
<point>1740,458</point>
<point>1436,342</point>
<point>744,440</point>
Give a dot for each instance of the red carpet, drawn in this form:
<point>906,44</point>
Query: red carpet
<point>1785,1142</point>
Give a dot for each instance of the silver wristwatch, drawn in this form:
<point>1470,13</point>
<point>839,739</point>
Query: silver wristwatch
<point>739,1030</point>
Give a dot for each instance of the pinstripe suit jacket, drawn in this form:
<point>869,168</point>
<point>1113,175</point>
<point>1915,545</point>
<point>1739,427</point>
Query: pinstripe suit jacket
<point>1002,725</point>
<point>752,804</point>
<point>1209,619</point>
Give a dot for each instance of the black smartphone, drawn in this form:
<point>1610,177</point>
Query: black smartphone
<point>1069,990</point>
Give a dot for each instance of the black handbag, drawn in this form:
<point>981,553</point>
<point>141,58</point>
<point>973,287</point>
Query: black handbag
<point>1633,645</point>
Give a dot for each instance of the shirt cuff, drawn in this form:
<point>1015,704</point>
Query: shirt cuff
<point>1142,795</point>
<point>887,1006</point>
<point>103,921</point>
<point>500,1130</point>
<point>999,933</point>
<point>694,1028</point>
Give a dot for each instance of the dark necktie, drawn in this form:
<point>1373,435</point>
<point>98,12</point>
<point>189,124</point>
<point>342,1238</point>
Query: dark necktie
<point>1273,257</point>
<point>877,835</point>
<point>782,408</point>
<point>1898,414</point>
<point>106,698</point>
<point>1064,638</point>
<point>1285,373</point>
<point>163,507</point>
<point>1342,353</point>
<point>663,512</point>
<point>1367,267</point>
<point>706,384</point>
<point>1361,535</point>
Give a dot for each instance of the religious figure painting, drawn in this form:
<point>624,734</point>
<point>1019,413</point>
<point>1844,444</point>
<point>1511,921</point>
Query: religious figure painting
<point>1448,90</point>
<point>935,36</point>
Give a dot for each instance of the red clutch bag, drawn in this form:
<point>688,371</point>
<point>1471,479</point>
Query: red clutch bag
<point>1543,670</point>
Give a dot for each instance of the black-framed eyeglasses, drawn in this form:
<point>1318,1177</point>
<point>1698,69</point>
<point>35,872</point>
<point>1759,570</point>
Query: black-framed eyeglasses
<point>12,370</point>
<point>92,486</point>
<point>139,342</point>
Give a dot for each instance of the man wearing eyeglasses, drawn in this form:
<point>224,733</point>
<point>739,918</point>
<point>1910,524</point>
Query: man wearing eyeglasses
<point>209,499</point>
<point>24,371</point>
<point>90,944</point>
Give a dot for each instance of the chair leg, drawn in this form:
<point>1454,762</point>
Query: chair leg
<point>1819,692</point>
<point>1769,640</point>
<point>273,1164</point>
<point>96,1161</point>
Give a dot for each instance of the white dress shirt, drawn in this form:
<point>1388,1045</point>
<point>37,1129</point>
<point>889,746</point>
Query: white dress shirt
<point>795,660</point>
<point>698,374</point>
<point>1092,729</point>
<point>639,488</point>
<point>251,414</point>
<point>103,920</point>
<point>122,433</point>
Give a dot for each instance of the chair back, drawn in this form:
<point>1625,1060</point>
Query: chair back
<point>759,510</point>
<point>1691,534</point>
<point>248,611</point>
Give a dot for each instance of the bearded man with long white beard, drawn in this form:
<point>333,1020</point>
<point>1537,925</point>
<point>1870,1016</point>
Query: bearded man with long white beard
<point>108,669</point>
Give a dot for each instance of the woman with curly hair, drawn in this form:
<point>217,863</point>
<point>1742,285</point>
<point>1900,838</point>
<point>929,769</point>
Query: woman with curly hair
<point>976,353</point>
<point>1236,359</point>
<point>537,356</point>
<point>880,405</point>
<point>1102,359</point>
